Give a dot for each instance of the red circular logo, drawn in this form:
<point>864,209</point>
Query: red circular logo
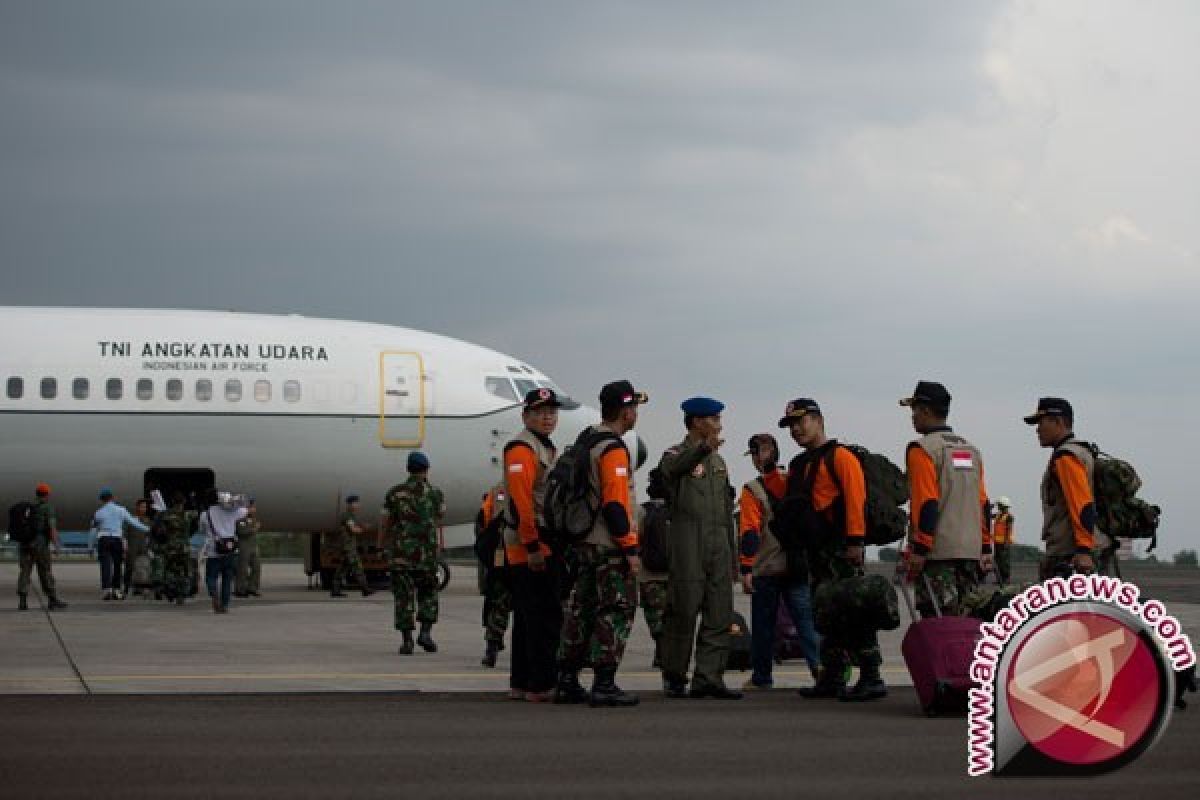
<point>1083,688</point>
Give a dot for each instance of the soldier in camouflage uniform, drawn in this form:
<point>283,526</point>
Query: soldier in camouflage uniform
<point>37,553</point>
<point>175,525</point>
<point>824,510</point>
<point>494,579</point>
<point>346,542</point>
<point>249,565</point>
<point>412,511</point>
<point>950,537</point>
<point>603,602</point>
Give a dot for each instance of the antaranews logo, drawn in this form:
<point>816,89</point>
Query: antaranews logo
<point>1075,677</point>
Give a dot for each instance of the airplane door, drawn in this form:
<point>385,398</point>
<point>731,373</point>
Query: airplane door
<point>402,400</point>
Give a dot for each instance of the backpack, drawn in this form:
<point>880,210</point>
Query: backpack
<point>22,527</point>
<point>489,537</point>
<point>572,503</point>
<point>1119,512</point>
<point>887,491</point>
<point>656,530</point>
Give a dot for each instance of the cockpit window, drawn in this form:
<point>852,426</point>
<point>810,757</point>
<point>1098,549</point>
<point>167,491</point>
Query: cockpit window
<point>524,387</point>
<point>568,403</point>
<point>499,386</point>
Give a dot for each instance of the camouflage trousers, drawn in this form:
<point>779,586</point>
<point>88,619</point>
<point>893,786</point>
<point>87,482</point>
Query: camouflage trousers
<point>350,568</point>
<point>35,556</point>
<point>600,610</point>
<point>843,644</point>
<point>497,605</point>
<point>1003,557</point>
<point>951,582</point>
<point>417,586</point>
<point>177,575</point>
<point>249,568</point>
<point>653,600</point>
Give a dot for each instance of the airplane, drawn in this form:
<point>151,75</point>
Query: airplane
<point>298,412</point>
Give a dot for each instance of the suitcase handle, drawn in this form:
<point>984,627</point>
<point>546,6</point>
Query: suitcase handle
<point>906,590</point>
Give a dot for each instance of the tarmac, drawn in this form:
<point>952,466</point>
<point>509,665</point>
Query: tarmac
<point>296,694</point>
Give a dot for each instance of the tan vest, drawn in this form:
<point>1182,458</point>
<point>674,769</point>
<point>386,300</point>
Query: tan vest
<point>545,459</point>
<point>770,559</point>
<point>959,466</point>
<point>1057,532</point>
<point>600,535</point>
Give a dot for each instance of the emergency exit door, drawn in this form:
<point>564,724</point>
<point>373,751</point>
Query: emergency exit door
<point>402,399</point>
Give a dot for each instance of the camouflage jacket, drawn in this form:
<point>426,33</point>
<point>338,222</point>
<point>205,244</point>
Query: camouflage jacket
<point>44,520</point>
<point>176,526</point>
<point>415,509</point>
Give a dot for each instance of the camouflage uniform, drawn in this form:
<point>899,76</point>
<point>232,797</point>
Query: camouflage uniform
<point>497,605</point>
<point>601,609</point>
<point>249,566</point>
<point>952,581</point>
<point>36,553</point>
<point>653,597</point>
<point>176,552</point>
<point>415,508</point>
<point>346,544</point>
<point>841,645</point>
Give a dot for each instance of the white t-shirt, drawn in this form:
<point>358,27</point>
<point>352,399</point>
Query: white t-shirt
<point>219,523</point>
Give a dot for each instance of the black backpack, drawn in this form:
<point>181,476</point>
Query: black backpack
<point>22,528</point>
<point>887,491</point>
<point>656,531</point>
<point>572,502</point>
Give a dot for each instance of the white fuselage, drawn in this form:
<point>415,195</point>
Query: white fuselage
<point>297,412</point>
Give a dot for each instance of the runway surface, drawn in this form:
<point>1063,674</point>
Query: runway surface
<point>466,745</point>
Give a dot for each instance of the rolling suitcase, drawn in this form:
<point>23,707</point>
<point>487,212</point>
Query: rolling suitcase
<point>938,653</point>
<point>739,644</point>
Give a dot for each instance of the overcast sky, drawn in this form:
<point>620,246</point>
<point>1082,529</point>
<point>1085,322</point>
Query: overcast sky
<point>753,201</point>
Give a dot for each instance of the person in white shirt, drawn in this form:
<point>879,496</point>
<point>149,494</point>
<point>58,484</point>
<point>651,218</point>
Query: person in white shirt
<point>218,523</point>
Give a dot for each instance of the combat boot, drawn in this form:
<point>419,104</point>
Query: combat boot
<point>406,649</point>
<point>830,683</point>
<point>490,653</point>
<point>367,591</point>
<point>568,690</point>
<point>22,602</point>
<point>425,640</point>
<point>336,590</point>
<point>605,691</point>
<point>870,686</point>
<point>55,604</point>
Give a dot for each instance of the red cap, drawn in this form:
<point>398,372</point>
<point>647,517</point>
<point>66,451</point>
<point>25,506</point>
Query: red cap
<point>42,489</point>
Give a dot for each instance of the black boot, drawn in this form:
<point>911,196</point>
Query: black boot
<point>568,690</point>
<point>336,589</point>
<point>830,683</point>
<point>605,691</point>
<point>22,602</point>
<point>425,640</point>
<point>55,604</point>
<point>406,649</point>
<point>367,591</point>
<point>489,654</point>
<point>674,687</point>
<point>870,686</point>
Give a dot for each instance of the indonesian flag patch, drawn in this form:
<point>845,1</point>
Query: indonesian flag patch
<point>962,459</point>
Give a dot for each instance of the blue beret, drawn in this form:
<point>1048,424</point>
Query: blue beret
<point>702,407</point>
<point>417,461</point>
<point>105,494</point>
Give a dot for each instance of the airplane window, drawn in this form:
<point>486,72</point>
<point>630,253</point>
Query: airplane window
<point>174,389</point>
<point>233,390</point>
<point>291,391</point>
<point>500,387</point>
<point>262,391</point>
<point>204,390</point>
<point>568,402</point>
<point>49,388</point>
<point>145,389</point>
<point>79,388</point>
<point>113,389</point>
<point>16,388</point>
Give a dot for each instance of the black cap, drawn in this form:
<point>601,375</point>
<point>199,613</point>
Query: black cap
<point>541,398</point>
<point>797,409</point>
<point>759,439</point>
<point>931,394</point>
<point>351,498</point>
<point>1051,407</point>
<point>620,394</point>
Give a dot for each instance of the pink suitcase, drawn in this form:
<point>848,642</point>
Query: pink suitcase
<point>938,652</point>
